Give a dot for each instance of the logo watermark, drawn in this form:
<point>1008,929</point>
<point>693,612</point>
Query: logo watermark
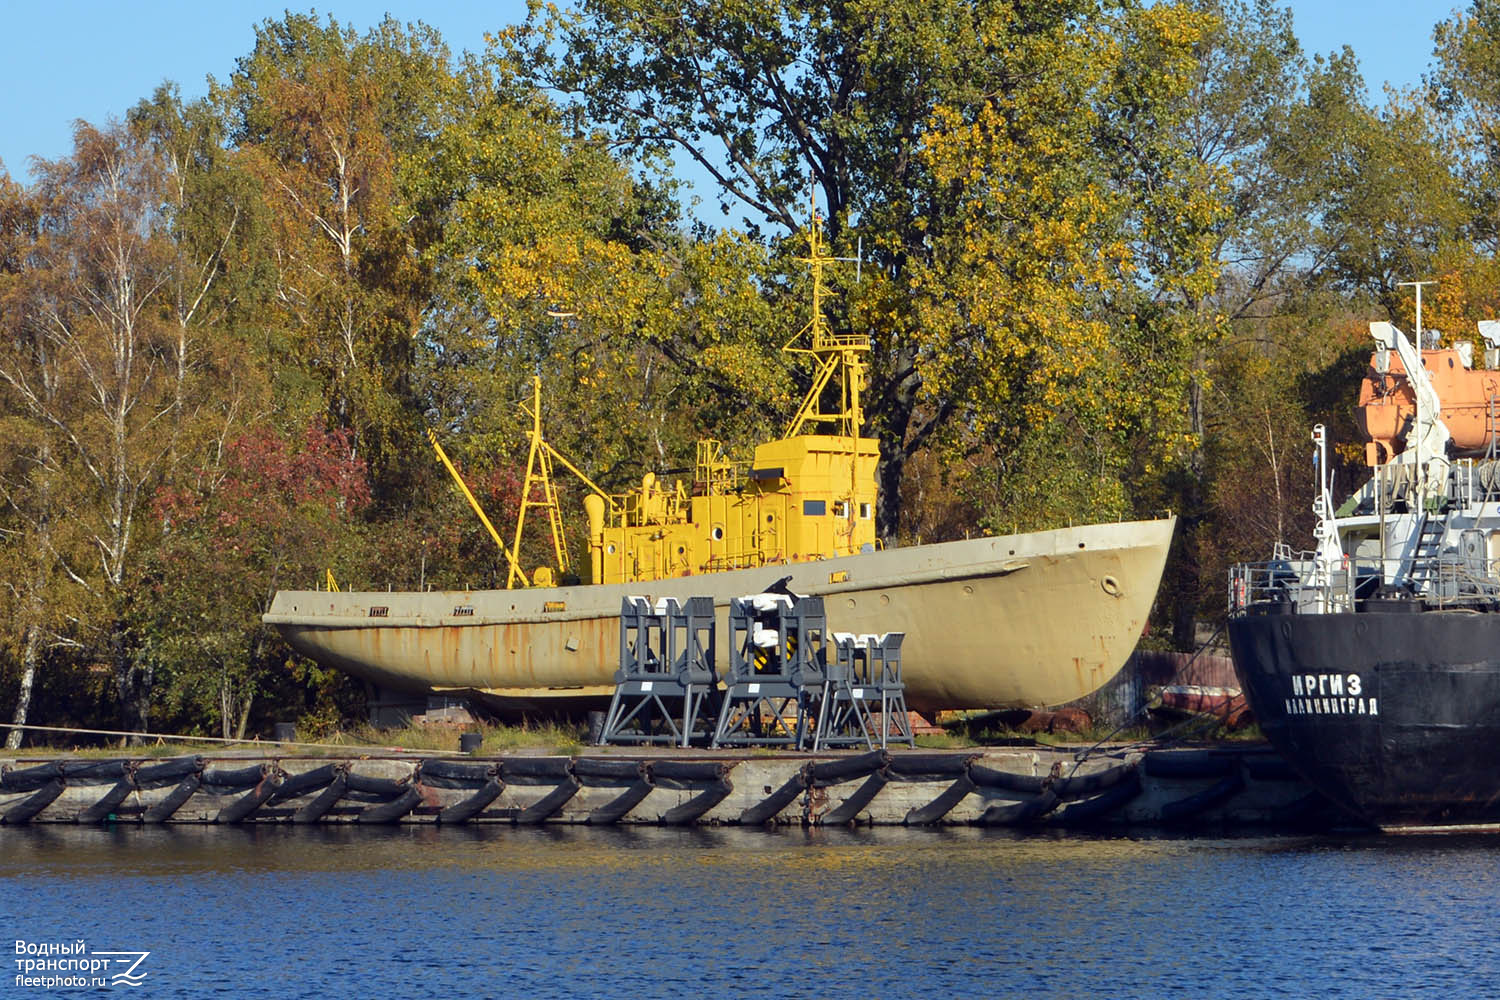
<point>51,965</point>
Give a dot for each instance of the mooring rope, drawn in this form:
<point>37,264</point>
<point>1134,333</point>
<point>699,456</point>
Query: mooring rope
<point>175,737</point>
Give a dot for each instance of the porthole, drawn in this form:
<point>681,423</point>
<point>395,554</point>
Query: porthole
<point>717,533</point>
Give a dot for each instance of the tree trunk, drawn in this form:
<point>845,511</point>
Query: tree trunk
<point>1190,520</point>
<point>897,401</point>
<point>30,651</point>
<point>239,729</point>
<point>226,700</point>
<point>132,683</point>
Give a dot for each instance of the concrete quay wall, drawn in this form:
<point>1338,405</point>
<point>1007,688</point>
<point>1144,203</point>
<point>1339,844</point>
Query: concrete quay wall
<point>1220,788</point>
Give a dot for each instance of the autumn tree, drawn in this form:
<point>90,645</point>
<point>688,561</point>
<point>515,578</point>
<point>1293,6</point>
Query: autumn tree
<point>554,260</point>
<point>28,561</point>
<point>334,124</point>
<point>273,514</point>
<point>86,373</point>
<point>875,106</point>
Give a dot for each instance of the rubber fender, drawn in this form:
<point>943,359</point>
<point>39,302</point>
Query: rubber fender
<point>1188,763</point>
<point>1187,808</point>
<point>1020,813</point>
<point>689,811</point>
<point>390,812</point>
<point>832,772</point>
<point>242,777</point>
<point>241,808</point>
<point>462,812</point>
<point>929,766</point>
<point>989,777</point>
<point>326,800</point>
<point>1269,768</point>
<point>456,774</point>
<point>943,804</point>
<point>1084,811</point>
<point>599,771</point>
<point>96,772</point>
<point>846,811</point>
<point>163,810</point>
<point>29,779</point>
<point>297,785</point>
<point>101,810</point>
<point>617,808</point>
<point>543,809</point>
<point>41,798</point>
<point>686,774</point>
<point>382,788</point>
<point>766,810</point>
<point>535,770</point>
<point>1087,784</point>
<point>167,772</point>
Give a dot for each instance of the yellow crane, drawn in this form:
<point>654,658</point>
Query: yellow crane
<point>539,461</point>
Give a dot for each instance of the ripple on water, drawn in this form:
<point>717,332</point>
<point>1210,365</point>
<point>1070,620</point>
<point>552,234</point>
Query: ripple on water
<point>562,912</point>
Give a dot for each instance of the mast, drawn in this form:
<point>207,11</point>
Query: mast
<point>836,355</point>
<point>1417,416</point>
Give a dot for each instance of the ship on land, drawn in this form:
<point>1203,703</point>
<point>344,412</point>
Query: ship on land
<point>1031,619</point>
<point>1372,661</point>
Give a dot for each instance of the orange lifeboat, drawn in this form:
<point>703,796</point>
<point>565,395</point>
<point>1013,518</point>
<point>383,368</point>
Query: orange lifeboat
<point>1470,403</point>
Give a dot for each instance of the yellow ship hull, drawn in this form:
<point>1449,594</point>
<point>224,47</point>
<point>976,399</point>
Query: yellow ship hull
<point>1018,620</point>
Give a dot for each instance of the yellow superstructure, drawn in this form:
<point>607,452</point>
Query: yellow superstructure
<point>805,496</point>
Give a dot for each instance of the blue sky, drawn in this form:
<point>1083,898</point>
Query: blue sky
<point>61,60</point>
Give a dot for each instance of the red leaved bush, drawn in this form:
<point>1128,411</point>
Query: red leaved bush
<point>262,480</point>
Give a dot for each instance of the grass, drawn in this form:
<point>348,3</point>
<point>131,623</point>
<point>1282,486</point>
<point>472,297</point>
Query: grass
<point>156,748</point>
<point>564,739</point>
<point>944,741</point>
<point>550,737</point>
<point>546,737</point>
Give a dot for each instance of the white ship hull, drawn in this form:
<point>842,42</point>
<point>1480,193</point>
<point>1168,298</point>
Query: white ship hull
<point>1018,620</point>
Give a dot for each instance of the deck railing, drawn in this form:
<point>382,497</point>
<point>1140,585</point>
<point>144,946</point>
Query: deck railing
<point>1293,579</point>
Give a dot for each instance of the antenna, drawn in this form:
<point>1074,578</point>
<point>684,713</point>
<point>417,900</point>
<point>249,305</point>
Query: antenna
<point>1418,286</point>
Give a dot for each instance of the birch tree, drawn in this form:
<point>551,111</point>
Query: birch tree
<point>85,377</point>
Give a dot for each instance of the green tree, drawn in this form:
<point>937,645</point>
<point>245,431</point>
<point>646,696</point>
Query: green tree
<point>554,261</point>
<point>333,124</point>
<point>270,514</point>
<point>878,105</point>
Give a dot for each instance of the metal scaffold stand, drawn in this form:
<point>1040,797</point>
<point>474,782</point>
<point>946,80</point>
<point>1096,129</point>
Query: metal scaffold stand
<point>667,672</point>
<point>777,670</point>
<point>864,700</point>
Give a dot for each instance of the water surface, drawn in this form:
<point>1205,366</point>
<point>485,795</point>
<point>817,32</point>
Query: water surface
<point>564,912</point>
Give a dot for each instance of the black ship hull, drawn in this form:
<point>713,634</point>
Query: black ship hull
<point>1394,715</point>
